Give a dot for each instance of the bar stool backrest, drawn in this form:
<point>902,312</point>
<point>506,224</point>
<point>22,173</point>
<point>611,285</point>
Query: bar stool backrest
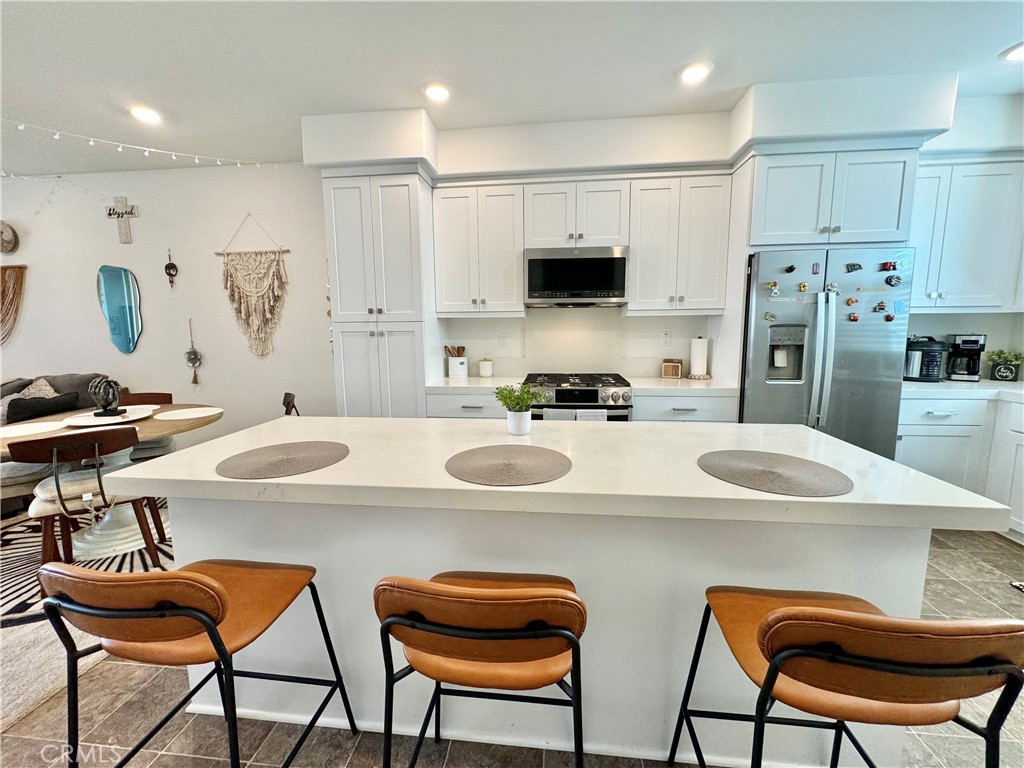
<point>135,591</point>
<point>948,644</point>
<point>480,609</point>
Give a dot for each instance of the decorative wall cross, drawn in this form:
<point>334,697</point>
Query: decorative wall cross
<point>121,211</point>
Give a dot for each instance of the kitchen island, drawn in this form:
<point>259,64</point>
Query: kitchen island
<point>638,526</point>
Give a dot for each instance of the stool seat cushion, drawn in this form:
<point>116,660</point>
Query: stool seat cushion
<point>17,472</point>
<point>150,449</point>
<point>505,675</point>
<point>739,611</point>
<point>257,593</point>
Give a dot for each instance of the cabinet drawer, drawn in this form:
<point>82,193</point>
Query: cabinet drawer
<point>943,412</point>
<point>685,408</point>
<point>464,407</point>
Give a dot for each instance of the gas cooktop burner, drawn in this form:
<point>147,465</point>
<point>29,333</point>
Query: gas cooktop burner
<point>575,380</point>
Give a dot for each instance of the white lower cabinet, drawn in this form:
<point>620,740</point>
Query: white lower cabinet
<point>1006,465</point>
<point>378,369</point>
<point>467,406</point>
<point>685,408</point>
<point>946,439</point>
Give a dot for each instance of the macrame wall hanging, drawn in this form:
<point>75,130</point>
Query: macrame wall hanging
<point>255,282</point>
<point>12,286</point>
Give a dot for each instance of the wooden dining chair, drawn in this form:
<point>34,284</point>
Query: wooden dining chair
<point>479,630</point>
<point>840,658</point>
<point>289,405</point>
<point>69,493</point>
<point>151,449</point>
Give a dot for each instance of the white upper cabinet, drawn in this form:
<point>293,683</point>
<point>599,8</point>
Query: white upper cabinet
<point>592,213</point>
<point>373,248</point>
<point>845,197</point>
<point>478,250</point>
<point>678,244</point>
<point>967,234</point>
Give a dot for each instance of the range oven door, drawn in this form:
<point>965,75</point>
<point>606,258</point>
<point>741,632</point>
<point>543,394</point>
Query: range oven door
<point>615,412</point>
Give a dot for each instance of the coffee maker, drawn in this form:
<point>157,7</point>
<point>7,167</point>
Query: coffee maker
<point>964,362</point>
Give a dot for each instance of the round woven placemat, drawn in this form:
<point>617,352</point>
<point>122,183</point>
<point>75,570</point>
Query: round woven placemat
<point>282,460</point>
<point>775,473</point>
<point>508,465</point>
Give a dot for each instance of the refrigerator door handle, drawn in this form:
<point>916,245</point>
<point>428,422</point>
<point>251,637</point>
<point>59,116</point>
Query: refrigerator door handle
<point>831,300</point>
<point>819,349</point>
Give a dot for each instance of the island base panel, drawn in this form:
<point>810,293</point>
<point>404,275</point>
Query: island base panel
<point>643,580</point>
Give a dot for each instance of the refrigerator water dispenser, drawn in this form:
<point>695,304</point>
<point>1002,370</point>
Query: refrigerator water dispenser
<point>786,344</point>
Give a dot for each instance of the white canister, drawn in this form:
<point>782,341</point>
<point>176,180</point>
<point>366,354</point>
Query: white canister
<point>458,367</point>
<point>486,368</point>
<point>519,422</point>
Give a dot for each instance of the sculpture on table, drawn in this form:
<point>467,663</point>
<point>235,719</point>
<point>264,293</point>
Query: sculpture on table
<point>106,393</point>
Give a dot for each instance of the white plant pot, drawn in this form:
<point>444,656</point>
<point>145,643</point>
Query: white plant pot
<point>519,422</point>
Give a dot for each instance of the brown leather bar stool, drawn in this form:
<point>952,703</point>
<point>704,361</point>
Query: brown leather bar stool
<point>199,614</point>
<point>504,631</point>
<point>842,658</point>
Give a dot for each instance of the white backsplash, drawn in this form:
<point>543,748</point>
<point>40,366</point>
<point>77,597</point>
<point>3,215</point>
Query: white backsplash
<point>592,340</point>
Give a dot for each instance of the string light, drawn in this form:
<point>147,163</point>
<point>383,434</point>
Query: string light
<point>120,146</point>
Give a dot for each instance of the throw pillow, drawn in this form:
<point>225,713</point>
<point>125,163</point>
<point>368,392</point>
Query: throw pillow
<point>23,408</point>
<point>39,388</point>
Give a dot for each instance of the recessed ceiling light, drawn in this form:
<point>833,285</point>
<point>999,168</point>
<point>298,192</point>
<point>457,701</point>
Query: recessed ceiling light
<point>695,73</point>
<point>145,115</point>
<point>1013,53</point>
<point>436,91</point>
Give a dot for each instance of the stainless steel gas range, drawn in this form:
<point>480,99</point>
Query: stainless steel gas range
<point>582,396</point>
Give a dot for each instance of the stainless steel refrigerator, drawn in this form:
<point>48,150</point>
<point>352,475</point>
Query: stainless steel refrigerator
<point>826,336</point>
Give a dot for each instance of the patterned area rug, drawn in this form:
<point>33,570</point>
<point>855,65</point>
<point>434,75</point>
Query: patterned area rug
<point>20,546</point>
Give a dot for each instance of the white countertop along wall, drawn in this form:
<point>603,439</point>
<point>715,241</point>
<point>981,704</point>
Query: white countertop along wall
<point>1011,391</point>
<point>642,386</point>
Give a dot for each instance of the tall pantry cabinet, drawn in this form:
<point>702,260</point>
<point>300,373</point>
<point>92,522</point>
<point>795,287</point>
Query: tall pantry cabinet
<point>380,257</point>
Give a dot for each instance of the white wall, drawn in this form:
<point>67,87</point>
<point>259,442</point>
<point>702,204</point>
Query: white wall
<point>65,237</point>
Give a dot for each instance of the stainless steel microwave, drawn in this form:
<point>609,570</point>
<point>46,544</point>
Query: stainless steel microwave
<point>575,277</point>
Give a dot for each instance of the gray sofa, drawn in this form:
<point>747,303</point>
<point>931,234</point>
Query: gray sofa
<point>72,393</point>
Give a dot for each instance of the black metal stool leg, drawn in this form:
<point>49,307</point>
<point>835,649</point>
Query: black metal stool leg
<point>334,659</point>
<point>437,713</point>
<point>837,744</point>
<point>389,696</point>
<point>684,706</point>
<point>577,707</point>
<point>72,710</point>
<point>230,713</point>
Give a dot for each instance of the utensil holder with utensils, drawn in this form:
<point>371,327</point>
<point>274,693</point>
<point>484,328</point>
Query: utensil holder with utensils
<point>458,363</point>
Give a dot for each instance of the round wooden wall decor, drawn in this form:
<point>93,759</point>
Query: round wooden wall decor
<point>8,238</point>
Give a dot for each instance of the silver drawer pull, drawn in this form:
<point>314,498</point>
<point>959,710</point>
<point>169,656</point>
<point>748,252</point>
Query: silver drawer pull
<point>472,407</point>
<point>685,410</point>
<point>942,413</point>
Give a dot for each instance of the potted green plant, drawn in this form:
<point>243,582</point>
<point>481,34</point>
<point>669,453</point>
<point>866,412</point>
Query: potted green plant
<point>517,401</point>
<point>1005,364</point>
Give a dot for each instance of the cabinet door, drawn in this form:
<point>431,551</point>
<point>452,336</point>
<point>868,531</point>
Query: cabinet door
<point>703,242</point>
<point>653,244</point>
<point>927,227</point>
<point>356,370</point>
<point>871,196</point>
<point>349,249</point>
<point>602,213</point>
<point>396,247</point>
<point>501,249</point>
<point>550,215</point>
<point>1006,467</point>
<point>402,392</point>
<point>952,454</point>
<point>456,278</point>
<point>792,199</point>
<point>981,250</point>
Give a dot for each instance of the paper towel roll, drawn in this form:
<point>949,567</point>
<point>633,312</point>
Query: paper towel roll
<point>698,357</point>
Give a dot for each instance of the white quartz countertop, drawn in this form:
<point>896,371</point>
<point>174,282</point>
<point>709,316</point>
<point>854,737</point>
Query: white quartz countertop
<point>642,387</point>
<point>1012,391</point>
<point>641,469</point>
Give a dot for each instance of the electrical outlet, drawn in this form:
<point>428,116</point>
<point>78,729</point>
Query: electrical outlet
<point>666,338</point>
<point>503,340</point>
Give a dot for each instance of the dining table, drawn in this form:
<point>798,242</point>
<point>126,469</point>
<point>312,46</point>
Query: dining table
<point>117,531</point>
